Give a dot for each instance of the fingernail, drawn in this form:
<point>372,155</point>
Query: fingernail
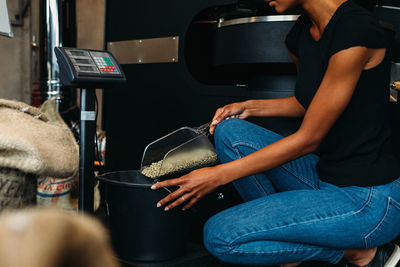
<point>153,187</point>
<point>183,209</point>
<point>166,209</point>
<point>159,205</point>
<point>214,122</point>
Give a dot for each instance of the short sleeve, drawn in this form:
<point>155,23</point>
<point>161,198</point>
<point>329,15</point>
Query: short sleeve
<point>358,30</point>
<point>292,38</point>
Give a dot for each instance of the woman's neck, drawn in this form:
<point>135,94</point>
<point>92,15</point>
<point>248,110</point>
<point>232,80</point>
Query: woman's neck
<point>320,13</point>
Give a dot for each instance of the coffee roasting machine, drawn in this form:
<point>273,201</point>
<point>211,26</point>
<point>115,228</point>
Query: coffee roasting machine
<point>184,59</point>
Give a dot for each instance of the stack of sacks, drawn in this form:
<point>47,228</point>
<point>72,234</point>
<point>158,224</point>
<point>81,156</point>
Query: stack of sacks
<point>31,146</point>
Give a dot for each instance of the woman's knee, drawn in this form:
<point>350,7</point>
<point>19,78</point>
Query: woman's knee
<point>236,137</point>
<point>233,130</point>
<point>214,237</point>
<point>227,133</point>
<point>226,130</point>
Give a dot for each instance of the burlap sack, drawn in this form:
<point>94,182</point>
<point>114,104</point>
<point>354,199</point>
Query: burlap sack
<point>32,143</point>
<point>43,237</point>
<point>17,189</point>
<point>55,192</point>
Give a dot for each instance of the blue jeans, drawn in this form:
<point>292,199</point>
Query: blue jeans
<point>289,215</point>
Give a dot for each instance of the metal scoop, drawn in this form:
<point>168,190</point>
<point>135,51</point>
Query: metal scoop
<point>178,152</point>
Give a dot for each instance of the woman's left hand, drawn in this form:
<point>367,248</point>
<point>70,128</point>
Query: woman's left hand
<point>192,187</point>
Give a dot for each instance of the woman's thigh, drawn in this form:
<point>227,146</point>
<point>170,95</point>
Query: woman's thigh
<point>235,138</point>
<point>332,218</point>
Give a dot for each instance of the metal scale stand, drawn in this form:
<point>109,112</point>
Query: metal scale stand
<point>86,149</point>
<point>88,70</point>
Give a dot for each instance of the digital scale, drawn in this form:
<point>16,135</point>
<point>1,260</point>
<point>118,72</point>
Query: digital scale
<point>88,70</point>
<point>88,67</point>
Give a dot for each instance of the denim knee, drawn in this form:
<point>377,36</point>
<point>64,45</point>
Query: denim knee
<point>213,238</point>
<point>227,132</point>
<point>224,129</point>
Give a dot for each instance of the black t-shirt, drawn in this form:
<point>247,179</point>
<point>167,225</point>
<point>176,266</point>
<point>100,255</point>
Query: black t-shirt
<point>358,149</point>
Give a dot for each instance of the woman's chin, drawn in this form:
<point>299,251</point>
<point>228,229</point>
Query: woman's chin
<point>278,8</point>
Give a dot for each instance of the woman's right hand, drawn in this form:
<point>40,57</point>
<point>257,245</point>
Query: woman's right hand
<point>234,110</point>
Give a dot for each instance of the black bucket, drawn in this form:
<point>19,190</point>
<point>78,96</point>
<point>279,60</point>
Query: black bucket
<point>139,230</point>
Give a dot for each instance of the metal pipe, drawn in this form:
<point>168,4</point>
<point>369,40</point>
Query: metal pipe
<point>51,37</point>
<point>54,30</point>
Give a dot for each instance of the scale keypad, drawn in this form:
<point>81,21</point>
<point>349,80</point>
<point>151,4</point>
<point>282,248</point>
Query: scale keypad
<point>105,64</point>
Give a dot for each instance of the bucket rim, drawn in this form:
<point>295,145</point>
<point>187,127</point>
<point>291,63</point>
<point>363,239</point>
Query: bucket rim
<point>103,178</point>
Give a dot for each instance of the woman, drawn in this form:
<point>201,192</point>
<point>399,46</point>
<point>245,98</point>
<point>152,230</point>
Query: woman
<point>343,202</point>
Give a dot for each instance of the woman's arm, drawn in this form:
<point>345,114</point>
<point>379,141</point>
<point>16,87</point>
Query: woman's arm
<point>332,97</point>
<point>281,107</point>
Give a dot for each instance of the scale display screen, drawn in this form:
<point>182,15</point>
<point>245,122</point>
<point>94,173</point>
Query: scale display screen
<point>83,61</point>
<point>78,53</point>
<point>88,65</point>
<point>86,68</point>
